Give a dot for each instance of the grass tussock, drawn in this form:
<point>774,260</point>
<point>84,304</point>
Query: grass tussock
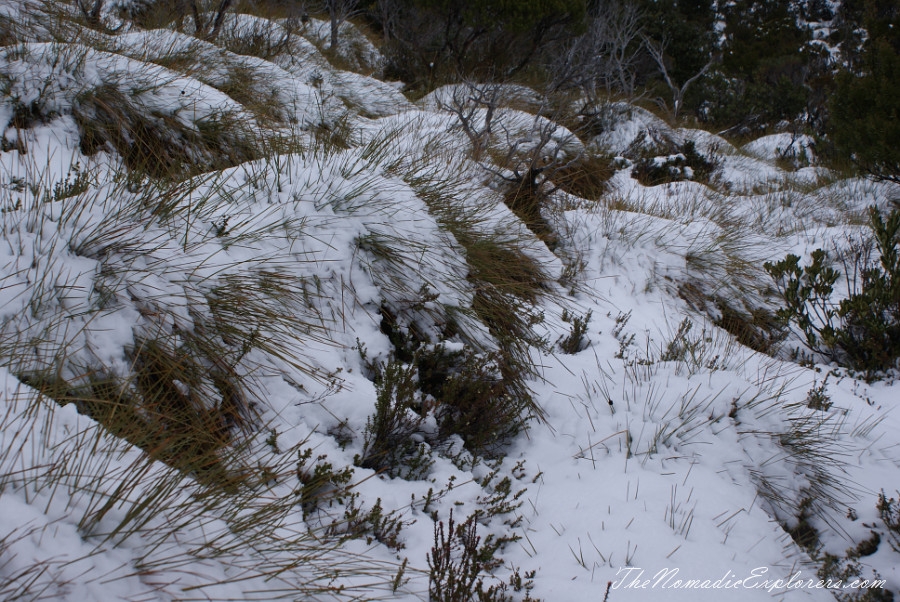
<point>525,201</point>
<point>586,178</point>
<point>181,405</point>
<point>158,144</point>
<point>507,283</point>
<point>263,39</point>
<point>255,94</point>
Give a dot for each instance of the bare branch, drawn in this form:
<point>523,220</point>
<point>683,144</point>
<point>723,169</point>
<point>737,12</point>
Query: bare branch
<point>657,51</point>
<point>468,100</point>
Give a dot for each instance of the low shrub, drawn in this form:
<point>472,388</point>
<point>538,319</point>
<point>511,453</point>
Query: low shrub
<point>576,340</point>
<point>481,397</point>
<point>459,560</point>
<point>399,414</point>
<point>685,163</point>
<point>861,332</point>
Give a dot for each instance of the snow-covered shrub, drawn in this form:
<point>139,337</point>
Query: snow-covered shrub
<point>685,163</point>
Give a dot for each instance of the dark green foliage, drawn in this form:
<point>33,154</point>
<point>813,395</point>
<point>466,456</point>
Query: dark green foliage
<point>804,533</point>
<point>807,294</point>
<point>765,65</point>
<point>372,525</point>
<point>847,570</point>
<point>865,112</point>
<point>399,414</point>
<point>321,482</point>
<point>817,398</point>
<point>686,30</point>
<point>428,42</point>
<point>481,397</point>
<point>576,341</point>
<point>862,331</point>
<point>685,163</point>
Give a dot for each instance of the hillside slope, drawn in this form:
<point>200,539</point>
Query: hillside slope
<point>267,327</point>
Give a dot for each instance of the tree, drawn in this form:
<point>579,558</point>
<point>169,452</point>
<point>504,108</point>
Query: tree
<point>606,55</point>
<point>338,12</point>
<point>657,52</point>
<point>765,57</point>
<point>680,39</point>
<point>865,108</point>
<point>434,40</point>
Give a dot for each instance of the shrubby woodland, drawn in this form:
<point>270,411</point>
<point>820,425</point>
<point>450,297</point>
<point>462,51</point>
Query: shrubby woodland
<point>447,300</point>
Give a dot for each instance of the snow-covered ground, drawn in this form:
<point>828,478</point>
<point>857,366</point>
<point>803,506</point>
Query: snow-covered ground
<point>668,463</point>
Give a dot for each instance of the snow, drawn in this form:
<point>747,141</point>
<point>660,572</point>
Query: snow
<point>652,455</point>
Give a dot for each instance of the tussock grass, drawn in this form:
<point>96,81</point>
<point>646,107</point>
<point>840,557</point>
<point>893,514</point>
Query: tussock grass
<point>157,144</point>
<point>262,38</point>
<point>506,283</point>
<point>586,178</point>
<point>256,94</point>
<point>182,529</point>
<point>526,201</point>
<point>173,407</point>
<point>201,492</point>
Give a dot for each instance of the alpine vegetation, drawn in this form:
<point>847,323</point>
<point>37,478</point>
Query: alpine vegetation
<point>449,301</point>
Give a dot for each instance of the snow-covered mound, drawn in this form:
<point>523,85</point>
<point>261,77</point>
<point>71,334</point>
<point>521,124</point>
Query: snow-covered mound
<point>267,328</point>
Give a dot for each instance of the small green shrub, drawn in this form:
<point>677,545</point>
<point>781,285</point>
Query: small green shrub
<point>576,341</point>
<point>458,561</point>
<point>684,163</point>
<point>817,397</point>
<point>399,413</point>
<point>321,482</point>
<point>862,331</point>
<point>481,397</point>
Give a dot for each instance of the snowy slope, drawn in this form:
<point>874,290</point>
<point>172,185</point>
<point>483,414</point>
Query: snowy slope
<point>296,252</point>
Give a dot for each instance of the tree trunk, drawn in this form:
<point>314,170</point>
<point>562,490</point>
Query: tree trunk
<point>335,23</point>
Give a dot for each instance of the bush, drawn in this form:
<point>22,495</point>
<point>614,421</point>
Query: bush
<point>458,561</point>
<point>686,163</point>
<point>399,414</point>
<point>576,341</point>
<point>865,106</point>
<point>481,397</point>
<point>862,331</point>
